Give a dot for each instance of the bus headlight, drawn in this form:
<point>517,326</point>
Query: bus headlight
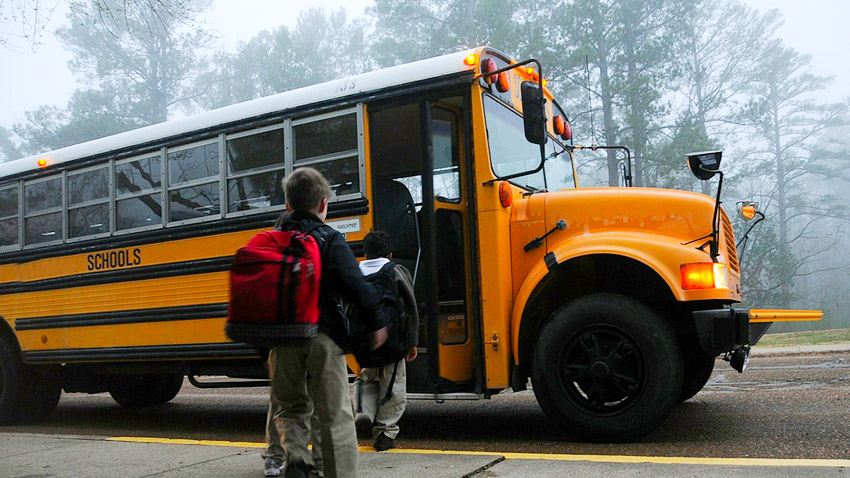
<point>704,275</point>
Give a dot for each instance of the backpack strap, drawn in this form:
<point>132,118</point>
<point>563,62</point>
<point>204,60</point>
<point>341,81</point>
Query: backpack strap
<point>389,394</point>
<point>319,233</point>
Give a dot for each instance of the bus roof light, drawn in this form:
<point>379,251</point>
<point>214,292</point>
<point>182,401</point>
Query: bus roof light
<point>42,163</point>
<point>558,125</point>
<point>470,59</point>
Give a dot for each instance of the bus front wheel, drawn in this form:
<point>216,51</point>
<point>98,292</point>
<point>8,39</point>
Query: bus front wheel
<point>698,369</point>
<point>607,368</point>
<point>147,390</point>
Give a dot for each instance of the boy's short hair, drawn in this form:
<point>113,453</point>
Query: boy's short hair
<point>377,244</point>
<point>305,188</point>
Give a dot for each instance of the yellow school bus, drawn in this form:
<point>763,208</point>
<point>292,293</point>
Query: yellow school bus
<point>614,302</point>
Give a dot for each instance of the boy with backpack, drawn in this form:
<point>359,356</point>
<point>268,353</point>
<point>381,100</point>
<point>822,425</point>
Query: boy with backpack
<point>380,392</point>
<point>306,345</point>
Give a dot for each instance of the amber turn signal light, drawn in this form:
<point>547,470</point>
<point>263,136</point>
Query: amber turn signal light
<point>506,196</point>
<point>703,275</point>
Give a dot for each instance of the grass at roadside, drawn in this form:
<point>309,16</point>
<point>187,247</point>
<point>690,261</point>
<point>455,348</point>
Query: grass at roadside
<point>815,337</point>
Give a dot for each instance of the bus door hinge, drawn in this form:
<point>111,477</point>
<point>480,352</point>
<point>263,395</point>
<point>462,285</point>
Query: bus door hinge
<point>492,339</point>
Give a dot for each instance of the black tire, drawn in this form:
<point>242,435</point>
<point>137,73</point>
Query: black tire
<point>136,391</point>
<point>607,368</point>
<point>41,392</point>
<point>698,368</point>
<point>10,384</point>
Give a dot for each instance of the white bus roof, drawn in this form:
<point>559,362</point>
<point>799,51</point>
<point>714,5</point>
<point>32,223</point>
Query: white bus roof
<point>335,89</point>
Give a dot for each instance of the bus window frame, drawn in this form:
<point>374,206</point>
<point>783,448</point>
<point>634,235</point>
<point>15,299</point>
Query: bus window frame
<point>17,185</point>
<point>145,192</point>
<point>165,188</point>
<point>360,153</point>
<point>44,212</point>
<point>109,201</point>
<point>285,167</point>
<point>169,187</point>
<point>556,143</point>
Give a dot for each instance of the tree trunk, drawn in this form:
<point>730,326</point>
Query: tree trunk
<point>607,105</point>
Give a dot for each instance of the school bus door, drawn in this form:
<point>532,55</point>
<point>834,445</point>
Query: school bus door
<point>396,135</point>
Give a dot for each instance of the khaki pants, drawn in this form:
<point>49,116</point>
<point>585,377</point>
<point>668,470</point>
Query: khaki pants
<point>371,388</point>
<point>290,406</point>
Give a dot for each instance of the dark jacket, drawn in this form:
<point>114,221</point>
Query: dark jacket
<point>341,277</point>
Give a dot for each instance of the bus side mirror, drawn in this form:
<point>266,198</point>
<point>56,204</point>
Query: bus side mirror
<point>704,164</point>
<point>533,112</point>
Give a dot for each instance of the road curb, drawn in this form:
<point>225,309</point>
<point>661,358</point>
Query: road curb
<point>800,350</point>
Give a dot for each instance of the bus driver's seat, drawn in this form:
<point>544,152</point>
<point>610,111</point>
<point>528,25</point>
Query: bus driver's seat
<point>395,213</point>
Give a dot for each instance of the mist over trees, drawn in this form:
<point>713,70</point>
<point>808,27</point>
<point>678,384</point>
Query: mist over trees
<point>661,77</point>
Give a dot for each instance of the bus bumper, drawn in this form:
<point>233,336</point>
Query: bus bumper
<point>734,331</point>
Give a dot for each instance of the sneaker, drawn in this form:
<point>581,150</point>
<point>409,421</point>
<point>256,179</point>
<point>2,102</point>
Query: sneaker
<point>383,443</point>
<point>297,469</point>
<point>363,424</point>
<point>272,468</point>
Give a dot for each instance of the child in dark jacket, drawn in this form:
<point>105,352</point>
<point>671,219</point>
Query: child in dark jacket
<point>375,415</point>
<point>294,398</point>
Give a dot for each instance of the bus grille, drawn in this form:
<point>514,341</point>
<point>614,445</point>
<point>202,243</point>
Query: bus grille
<point>731,250</point>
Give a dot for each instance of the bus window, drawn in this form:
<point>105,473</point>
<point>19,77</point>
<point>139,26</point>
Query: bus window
<point>88,202</point>
<point>9,216</point>
<point>255,168</point>
<point>559,169</point>
<point>193,180</point>
<point>43,211</point>
<point>446,161</point>
<point>137,189</point>
<point>137,176</point>
<point>510,152</point>
<point>330,145</point>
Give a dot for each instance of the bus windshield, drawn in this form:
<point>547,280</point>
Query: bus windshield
<point>511,153</point>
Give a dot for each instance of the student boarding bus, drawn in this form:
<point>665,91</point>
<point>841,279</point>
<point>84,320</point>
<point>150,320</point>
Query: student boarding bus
<point>114,253</point>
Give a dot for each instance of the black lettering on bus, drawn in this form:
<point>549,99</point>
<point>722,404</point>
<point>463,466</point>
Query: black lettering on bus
<point>113,259</point>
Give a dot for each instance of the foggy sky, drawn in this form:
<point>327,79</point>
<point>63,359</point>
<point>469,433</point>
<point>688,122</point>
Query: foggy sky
<point>31,79</point>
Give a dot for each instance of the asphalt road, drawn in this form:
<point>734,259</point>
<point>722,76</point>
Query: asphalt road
<point>782,407</point>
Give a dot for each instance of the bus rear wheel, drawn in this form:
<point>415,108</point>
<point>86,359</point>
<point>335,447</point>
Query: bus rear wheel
<point>136,391</point>
<point>41,392</point>
<point>28,393</point>
<point>607,368</point>
<point>10,384</point>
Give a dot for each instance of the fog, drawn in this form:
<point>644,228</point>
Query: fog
<point>662,102</point>
<point>35,75</point>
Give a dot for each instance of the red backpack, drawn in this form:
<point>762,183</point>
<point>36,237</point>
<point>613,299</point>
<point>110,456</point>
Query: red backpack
<point>274,290</point>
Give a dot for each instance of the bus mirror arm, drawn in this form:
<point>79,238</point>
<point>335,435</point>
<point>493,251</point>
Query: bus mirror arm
<point>538,241</point>
<point>742,243</point>
<point>713,236</point>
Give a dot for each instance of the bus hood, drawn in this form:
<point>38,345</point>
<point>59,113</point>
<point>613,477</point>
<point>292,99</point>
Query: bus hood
<point>683,215</point>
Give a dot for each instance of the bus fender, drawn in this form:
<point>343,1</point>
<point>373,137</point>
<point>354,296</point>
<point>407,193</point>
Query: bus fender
<point>647,251</point>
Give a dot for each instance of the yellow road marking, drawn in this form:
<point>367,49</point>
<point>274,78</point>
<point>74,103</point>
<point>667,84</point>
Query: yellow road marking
<point>664,460</point>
